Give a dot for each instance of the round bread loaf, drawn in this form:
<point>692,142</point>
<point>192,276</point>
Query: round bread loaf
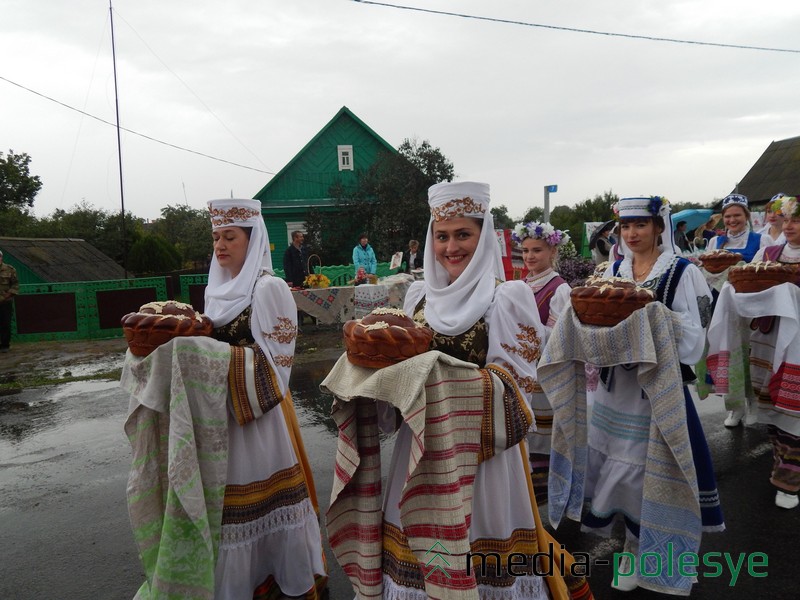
<point>608,301</point>
<point>717,261</point>
<point>156,323</point>
<point>760,276</point>
<point>384,337</point>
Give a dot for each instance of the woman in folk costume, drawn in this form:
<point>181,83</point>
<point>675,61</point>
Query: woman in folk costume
<point>540,243</point>
<point>738,236</point>
<point>270,543</point>
<point>621,416</point>
<point>780,411</point>
<point>772,232</point>
<point>478,319</point>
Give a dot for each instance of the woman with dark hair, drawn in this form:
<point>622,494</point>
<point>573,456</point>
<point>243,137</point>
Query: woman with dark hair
<point>643,429</point>
<point>270,538</point>
<point>470,497</point>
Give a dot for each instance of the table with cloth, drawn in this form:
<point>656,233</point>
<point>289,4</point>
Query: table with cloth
<point>327,305</point>
<point>754,358</point>
<point>338,304</point>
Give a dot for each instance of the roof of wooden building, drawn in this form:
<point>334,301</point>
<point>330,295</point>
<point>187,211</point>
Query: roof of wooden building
<point>777,170</point>
<point>61,259</point>
<point>307,178</point>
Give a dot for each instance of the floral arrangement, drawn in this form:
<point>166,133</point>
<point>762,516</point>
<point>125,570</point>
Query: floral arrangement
<point>787,206</point>
<point>316,280</point>
<point>539,231</point>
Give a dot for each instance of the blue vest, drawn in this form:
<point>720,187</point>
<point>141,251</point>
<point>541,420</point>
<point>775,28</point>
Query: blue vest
<point>749,251</point>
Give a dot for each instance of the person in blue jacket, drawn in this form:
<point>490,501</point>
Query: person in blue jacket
<point>364,256</point>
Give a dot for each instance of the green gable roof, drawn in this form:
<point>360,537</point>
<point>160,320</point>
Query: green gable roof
<point>307,178</point>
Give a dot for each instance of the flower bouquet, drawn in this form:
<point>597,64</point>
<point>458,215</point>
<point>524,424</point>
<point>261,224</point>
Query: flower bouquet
<point>316,280</point>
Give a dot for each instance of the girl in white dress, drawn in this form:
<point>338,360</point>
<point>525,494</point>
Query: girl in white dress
<point>540,243</point>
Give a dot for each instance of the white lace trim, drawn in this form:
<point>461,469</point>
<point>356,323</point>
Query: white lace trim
<point>662,263</point>
<point>296,516</point>
<point>524,588</point>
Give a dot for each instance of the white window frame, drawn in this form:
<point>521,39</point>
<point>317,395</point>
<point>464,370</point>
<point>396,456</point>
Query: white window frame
<point>345,154</point>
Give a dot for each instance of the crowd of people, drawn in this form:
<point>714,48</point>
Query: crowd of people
<point>634,452</point>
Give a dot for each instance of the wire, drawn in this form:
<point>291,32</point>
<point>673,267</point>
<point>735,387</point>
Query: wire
<point>577,30</point>
<point>142,135</point>
<point>186,85</point>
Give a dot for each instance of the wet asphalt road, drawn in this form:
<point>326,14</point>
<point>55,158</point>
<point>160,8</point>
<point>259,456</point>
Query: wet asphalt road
<point>64,530</point>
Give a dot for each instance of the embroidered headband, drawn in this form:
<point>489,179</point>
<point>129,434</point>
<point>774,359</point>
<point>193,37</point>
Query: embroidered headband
<point>734,200</point>
<point>234,213</point>
<point>539,231</point>
<point>647,207</point>
<point>448,200</point>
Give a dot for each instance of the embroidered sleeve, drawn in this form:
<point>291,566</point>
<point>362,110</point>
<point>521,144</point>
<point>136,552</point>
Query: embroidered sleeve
<point>528,346</point>
<point>274,325</point>
<point>516,335</point>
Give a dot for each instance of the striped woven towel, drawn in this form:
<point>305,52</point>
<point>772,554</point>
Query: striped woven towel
<point>454,411</point>
<point>670,505</point>
<point>178,429</point>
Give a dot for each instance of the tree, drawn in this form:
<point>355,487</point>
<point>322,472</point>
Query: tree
<point>388,202</point>
<point>153,254</point>
<point>534,214</point>
<point>187,229</point>
<point>572,219</point>
<point>17,186</point>
<point>501,218</point>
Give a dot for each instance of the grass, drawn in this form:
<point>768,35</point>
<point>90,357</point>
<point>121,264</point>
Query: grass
<point>34,380</point>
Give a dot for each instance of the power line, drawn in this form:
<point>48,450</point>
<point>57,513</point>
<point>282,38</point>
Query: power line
<point>577,30</point>
<point>142,135</point>
<point>186,85</point>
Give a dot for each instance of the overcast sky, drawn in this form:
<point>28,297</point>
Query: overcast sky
<point>519,107</point>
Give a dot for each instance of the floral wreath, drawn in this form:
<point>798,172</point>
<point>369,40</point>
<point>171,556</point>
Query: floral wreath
<point>787,206</point>
<point>654,207</point>
<point>539,231</point>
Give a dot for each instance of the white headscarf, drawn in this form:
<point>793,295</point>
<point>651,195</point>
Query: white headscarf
<point>227,297</point>
<point>648,207</point>
<point>452,308</point>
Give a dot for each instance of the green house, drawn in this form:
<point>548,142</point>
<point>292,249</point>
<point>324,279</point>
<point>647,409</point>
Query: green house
<point>342,148</point>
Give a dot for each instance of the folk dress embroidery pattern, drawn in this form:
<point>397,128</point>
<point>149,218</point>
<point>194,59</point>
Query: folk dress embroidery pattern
<point>284,332</point>
<point>530,346</point>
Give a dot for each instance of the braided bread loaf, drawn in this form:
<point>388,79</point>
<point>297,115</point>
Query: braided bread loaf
<point>156,323</point>
<point>384,337</point>
<point>608,301</point>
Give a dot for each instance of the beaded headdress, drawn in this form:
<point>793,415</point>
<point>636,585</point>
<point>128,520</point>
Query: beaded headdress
<point>642,206</point>
<point>734,200</point>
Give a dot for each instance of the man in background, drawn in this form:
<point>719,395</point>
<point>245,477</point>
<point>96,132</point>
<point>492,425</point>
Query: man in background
<point>412,257</point>
<point>295,261</point>
<point>9,287</point>
<point>681,241</point>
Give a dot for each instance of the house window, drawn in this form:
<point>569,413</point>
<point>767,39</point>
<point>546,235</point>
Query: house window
<point>345,158</point>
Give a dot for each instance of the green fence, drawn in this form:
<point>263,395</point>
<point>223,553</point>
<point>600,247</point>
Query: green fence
<point>80,310</point>
<point>192,287</point>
